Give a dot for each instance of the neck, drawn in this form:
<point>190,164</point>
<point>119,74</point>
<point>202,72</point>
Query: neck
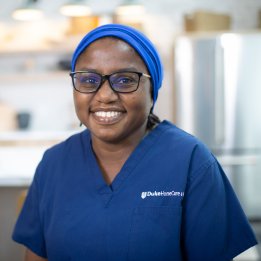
<point>108,151</point>
<point>112,156</point>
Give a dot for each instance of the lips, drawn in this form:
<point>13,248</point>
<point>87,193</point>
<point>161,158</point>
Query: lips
<point>107,115</point>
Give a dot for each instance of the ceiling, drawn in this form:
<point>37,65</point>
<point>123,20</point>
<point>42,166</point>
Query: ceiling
<point>51,7</point>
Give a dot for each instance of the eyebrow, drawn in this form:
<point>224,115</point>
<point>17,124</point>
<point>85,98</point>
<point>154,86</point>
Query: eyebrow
<point>88,69</point>
<point>119,70</point>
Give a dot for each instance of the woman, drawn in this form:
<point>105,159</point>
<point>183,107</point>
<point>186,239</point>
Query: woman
<point>128,187</point>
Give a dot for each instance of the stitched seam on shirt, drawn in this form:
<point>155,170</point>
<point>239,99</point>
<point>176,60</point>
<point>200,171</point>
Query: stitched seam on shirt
<point>38,210</point>
<point>30,246</point>
<point>201,170</point>
<point>238,248</point>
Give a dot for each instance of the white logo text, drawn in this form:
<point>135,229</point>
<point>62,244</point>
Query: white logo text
<point>162,193</point>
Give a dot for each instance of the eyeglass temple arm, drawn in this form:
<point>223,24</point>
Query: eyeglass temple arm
<point>146,75</point>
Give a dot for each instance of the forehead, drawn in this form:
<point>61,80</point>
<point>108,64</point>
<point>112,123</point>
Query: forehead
<point>107,53</point>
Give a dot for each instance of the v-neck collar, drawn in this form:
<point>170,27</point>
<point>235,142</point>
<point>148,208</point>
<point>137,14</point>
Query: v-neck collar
<point>106,192</point>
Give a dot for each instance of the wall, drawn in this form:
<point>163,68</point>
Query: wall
<point>164,20</point>
<point>168,22</point>
<point>243,12</point>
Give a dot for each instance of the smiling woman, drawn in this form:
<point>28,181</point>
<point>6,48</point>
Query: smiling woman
<point>129,187</point>
<point>116,108</point>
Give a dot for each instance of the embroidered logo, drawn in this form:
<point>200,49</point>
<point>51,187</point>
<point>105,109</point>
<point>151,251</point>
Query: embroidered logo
<point>162,193</point>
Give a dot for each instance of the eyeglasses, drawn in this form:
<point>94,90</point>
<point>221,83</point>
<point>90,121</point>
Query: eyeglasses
<point>123,82</point>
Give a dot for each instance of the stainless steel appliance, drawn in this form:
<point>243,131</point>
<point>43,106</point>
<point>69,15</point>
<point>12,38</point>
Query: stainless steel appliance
<point>218,98</point>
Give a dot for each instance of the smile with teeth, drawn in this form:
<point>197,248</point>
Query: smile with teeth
<point>107,114</point>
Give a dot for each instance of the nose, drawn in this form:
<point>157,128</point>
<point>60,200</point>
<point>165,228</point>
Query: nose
<point>106,94</point>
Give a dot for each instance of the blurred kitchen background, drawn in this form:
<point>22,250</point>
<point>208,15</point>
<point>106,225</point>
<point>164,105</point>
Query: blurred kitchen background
<point>211,51</point>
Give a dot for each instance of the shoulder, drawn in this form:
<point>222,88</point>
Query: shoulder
<point>70,145</point>
<point>177,139</point>
<point>54,158</point>
<point>187,148</point>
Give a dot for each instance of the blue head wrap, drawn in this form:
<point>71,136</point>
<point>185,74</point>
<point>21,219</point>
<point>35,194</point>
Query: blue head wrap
<point>137,40</point>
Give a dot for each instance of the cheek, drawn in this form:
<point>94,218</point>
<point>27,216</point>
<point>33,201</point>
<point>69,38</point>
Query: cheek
<point>81,103</point>
<point>139,103</point>
<point>77,100</point>
<point>148,100</point>
<point>77,104</point>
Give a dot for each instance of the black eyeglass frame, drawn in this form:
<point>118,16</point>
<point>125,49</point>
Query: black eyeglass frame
<point>107,76</point>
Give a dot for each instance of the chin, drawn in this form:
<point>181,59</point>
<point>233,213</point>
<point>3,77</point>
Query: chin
<point>105,134</point>
<point>107,138</point>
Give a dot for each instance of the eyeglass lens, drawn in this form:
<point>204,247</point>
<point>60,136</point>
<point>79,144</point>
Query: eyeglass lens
<point>121,81</point>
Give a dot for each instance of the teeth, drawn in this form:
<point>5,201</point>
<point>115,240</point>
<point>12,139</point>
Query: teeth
<point>107,114</point>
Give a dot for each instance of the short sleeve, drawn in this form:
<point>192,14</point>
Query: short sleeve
<point>214,226</point>
<point>28,229</point>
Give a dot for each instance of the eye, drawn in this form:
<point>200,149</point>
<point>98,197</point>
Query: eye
<point>125,80</point>
<point>89,80</point>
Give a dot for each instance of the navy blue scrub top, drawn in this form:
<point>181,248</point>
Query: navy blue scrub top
<point>170,201</point>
